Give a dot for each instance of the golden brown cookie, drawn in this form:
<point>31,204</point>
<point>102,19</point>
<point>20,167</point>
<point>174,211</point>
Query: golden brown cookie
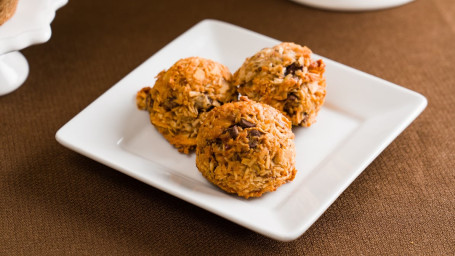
<point>184,93</point>
<point>7,9</point>
<point>286,78</point>
<point>246,148</point>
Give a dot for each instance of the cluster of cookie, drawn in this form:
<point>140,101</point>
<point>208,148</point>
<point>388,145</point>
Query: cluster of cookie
<point>243,145</point>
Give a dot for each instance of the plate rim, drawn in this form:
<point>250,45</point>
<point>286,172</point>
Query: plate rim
<point>353,5</point>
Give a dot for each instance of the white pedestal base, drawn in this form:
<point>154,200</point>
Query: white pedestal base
<point>13,71</point>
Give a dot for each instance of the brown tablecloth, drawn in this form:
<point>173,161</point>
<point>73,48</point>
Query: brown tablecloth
<point>54,201</point>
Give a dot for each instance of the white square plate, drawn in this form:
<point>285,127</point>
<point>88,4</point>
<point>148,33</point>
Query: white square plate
<point>361,116</point>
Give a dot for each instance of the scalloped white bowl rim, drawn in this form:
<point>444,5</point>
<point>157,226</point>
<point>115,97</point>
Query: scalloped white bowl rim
<point>30,24</point>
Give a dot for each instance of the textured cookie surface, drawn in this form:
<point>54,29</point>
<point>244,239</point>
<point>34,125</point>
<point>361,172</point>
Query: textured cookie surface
<point>182,95</point>
<point>246,148</point>
<point>286,78</point>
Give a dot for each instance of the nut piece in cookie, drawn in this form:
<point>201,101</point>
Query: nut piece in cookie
<point>182,95</point>
<point>246,148</point>
<point>286,78</point>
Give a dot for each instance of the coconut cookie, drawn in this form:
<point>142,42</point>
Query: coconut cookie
<point>7,9</point>
<point>286,78</point>
<point>184,93</point>
<point>246,148</point>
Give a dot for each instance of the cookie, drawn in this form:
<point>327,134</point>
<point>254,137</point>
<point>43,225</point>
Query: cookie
<point>7,10</point>
<point>246,148</point>
<point>182,95</point>
<point>286,78</point>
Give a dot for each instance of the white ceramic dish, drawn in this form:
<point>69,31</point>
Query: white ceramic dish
<point>29,25</point>
<point>353,5</point>
<point>362,115</point>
